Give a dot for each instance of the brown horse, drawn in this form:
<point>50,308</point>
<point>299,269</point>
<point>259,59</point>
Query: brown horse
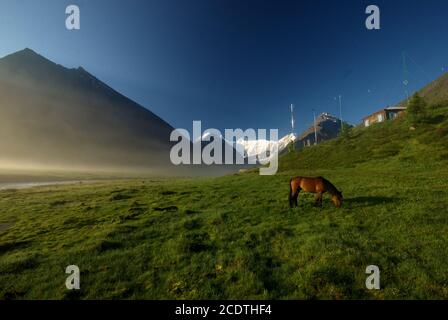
<point>317,185</point>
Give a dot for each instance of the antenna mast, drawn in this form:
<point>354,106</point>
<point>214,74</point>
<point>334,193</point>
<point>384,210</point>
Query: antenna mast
<point>405,75</point>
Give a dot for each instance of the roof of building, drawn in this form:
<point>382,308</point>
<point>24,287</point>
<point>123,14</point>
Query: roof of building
<point>396,108</point>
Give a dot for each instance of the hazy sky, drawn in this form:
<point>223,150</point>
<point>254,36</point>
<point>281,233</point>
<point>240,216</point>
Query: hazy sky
<point>237,63</point>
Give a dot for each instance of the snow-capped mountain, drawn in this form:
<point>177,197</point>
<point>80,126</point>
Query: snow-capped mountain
<point>260,147</point>
<point>327,127</point>
<point>257,148</point>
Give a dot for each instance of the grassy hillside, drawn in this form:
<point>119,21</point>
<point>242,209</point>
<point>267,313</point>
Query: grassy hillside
<point>436,91</point>
<point>235,237</point>
<point>391,144</point>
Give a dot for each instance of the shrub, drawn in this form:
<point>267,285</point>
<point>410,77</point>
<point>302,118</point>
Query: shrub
<point>345,131</point>
<point>416,110</point>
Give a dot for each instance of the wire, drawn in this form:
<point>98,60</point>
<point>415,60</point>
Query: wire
<point>420,67</point>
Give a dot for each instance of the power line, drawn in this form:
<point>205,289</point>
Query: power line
<point>315,131</point>
<point>418,66</point>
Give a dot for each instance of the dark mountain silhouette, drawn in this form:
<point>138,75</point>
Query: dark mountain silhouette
<point>59,117</point>
<point>327,127</point>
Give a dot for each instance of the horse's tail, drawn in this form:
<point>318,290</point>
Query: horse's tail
<point>291,198</point>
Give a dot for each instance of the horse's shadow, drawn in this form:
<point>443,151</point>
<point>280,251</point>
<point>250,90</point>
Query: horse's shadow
<point>370,201</point>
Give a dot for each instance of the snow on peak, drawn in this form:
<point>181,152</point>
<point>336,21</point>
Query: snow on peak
<point>262,146</point>
<point>257,147</point>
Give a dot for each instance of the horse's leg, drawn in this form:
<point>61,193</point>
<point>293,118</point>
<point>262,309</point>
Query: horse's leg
<point>292,194</point>
<point>296,196</point>
<point>291,199</point>
<point>316,199</point>
<point>319,199</point>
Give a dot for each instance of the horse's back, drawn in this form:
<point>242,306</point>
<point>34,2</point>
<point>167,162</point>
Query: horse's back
<point>307,179</point>
<point>308,184</point>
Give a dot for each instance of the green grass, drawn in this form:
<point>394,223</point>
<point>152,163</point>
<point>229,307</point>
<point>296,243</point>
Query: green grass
<point>235,237</point>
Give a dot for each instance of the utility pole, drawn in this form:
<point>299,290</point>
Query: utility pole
<point>292,118</point>
<point>340,109</point>
<point>292,125</point>
<point>315,131</point>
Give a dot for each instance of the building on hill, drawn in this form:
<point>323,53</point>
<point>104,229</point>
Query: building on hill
<point>388,113</point>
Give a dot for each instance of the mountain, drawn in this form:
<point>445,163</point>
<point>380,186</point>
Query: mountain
<point>56,117</point>
<point>327,127</point>
<point>227,147</point>
<point>254,148</point>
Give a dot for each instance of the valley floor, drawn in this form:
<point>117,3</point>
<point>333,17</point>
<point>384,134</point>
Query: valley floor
<point>228,238</point>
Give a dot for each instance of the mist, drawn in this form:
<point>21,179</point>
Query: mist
<point>52,117</point>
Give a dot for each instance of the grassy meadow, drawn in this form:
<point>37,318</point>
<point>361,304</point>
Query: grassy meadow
<point>234,237</point>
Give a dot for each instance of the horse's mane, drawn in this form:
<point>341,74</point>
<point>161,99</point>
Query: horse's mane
<point>331,188</point>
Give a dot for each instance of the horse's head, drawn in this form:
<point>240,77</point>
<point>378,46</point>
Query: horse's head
<point>337,199</point>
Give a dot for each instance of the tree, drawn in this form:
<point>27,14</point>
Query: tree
<point>416,110</point>
<point>345,131</point>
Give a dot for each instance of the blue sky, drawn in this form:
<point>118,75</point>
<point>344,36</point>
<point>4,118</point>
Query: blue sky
<point>238,63</point>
